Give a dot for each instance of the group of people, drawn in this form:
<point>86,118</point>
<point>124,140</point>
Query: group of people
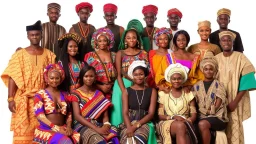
<point>133,85</point>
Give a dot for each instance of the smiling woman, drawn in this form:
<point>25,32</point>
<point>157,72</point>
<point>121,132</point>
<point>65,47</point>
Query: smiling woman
<point>17,14</point>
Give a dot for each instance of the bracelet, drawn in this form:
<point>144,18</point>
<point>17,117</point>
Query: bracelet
<point>10,99</point>
<point>107,123</point>
<point>56,128</point>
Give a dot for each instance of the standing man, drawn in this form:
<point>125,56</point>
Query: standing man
<point>236,72</point>
<point>223,19</point>
<point>110,11</point>
<point>174,18</point>
<point>51,30</point>
<point>24,77</point>
<point>82,28</point>
<point>149,12</point>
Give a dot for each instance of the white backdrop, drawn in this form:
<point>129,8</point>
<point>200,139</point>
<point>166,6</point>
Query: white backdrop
<point>17,14</point>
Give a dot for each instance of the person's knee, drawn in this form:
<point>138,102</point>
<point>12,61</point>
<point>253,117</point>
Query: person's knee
<point>203,125</point>
<point>181,127</point>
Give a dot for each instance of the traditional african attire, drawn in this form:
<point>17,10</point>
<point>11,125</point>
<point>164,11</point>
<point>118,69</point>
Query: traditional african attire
<point>148,41</point>
<point>154,58</point>
<point>214,37</point>
<point>92,107</point>
<point>194,74</point>
<point>116,29</point>
<point>27,72</point>
<point>51,33</point>
<point>237,74</point>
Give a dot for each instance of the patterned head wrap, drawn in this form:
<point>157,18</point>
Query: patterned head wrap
<point>174,11</point>
<point>229,33</point>
<point>54,68</point>
<point>176,68</point>
<point>150,8</point>
<point>105,32</point>
<point>84,5</point>
<point>134,65</point>
<point>66,36</point>
<point>209,61</point>
<point>224,11</point>
<point>161,31</point>
<point>204,23</point>
<point>53,5</point>
<point>135,25</point>
<point>109,7</point>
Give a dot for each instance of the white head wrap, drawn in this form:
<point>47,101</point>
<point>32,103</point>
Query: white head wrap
<point>176,68</point>
<point>134,65</point>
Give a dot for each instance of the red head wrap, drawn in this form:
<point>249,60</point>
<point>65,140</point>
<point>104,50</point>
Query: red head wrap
<point>150,8</point>
<point>84,5</point>
<point>174,11</point>
<point>110,8</point>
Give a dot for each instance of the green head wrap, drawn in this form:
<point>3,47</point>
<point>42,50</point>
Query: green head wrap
<point>135,25</point>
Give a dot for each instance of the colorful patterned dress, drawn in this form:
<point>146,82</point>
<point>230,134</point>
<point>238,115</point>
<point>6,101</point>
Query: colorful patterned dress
<point>106,71</point>
<point>92,107</point>
<point>74,70</point>
<point>45,105</point>
<point>116,113</point>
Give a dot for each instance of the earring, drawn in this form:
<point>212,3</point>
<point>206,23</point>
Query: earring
<point>125,45</point>
<point>138,44</point>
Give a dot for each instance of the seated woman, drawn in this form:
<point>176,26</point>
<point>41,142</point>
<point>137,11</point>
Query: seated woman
<point>103,60</point>
<point>139,103</point>
<point>212,102</point>
<point>51,109</point>
<point>71,59</point>
<point>162,39</point>
<point>204,48</point>
<point>90,110</point>
<point>185,58</point>
<point>177,110</point>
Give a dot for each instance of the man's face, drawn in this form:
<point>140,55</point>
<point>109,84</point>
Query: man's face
<point>174,20</point>
<point>223,21</point>
<point>150,19</point>
<point>84,14</point>
<point>226,43</point>
<point>53,14</point>
<point>110,18</point>
<point>34,36</point>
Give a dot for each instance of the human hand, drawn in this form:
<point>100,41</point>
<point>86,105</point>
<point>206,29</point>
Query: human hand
<point>102,130</point>
<point>12,106</point>
<point>232,106</point>
<point>63,130</point>
<point>130,131</point>
<point>69,131</point>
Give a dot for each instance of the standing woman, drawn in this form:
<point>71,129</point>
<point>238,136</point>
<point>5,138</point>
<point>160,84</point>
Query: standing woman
<point>103,60</point>
<point>181,40</point>
<point>204,48</point>
<point>177,111</point>
<point>90,110</point>
<point>52,110</point>
<point>162,39</point>
<point>70,58</point>
<point>139,104</point>
<point>131,51</point>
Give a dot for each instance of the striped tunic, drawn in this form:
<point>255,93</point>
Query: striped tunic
<point>51,33</point>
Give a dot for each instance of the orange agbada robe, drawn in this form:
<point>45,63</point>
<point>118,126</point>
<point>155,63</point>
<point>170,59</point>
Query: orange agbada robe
<point>27,72</point>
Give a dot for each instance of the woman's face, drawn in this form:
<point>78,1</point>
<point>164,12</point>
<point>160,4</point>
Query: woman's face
<point>131,39</point>
<point>163,41</point>
<point>54,79</point>
<point>72,48</point>
<point>176,80</point>
<point>204,32</point>
<point>181,41</point>
<point>89,78</point>
<point>102,42</point>
<point>208,71</point>
<point>138,76</point>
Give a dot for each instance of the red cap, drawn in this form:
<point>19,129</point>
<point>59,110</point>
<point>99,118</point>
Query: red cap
<point>150,8</point>
<point>109,7</point>
<point>174,11</point>
<point>84,5</point>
